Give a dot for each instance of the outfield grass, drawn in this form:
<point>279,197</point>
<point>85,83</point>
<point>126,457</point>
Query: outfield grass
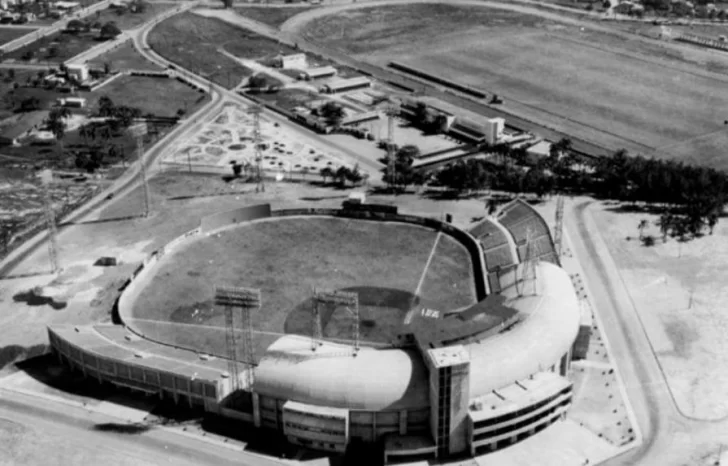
<point>10,33</point>
<point>194,42</point>
<point>270,16</point>
<point>126,57</point>
<point>383,262</point>
<point>592,85</point>
<point>158,96</point>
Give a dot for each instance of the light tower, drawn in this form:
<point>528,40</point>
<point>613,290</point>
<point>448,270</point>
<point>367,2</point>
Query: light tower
<point>528,266</point>
<point>46,177</point>
<point>337,298</point>
<point>138,131</point>
<point>246,300</point>
<point>558,229</point>
<point>391,110</point>
<point>256,110</point>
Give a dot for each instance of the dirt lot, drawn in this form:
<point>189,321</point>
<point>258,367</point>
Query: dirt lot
<point>335,254</point>
<point>125,57</point>
<point>159,96</point>
<point>611,90</point>
<point>679,292</point>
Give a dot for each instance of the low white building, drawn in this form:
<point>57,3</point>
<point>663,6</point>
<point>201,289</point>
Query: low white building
<point>78,71</point>
<point>295,61</point>
<point>318,73</point>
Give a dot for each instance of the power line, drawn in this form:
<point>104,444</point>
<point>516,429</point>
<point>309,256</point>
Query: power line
<point>46,177</point>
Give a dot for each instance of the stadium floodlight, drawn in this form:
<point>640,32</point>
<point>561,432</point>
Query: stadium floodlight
<point>337,298</point>
<point>245,299</point>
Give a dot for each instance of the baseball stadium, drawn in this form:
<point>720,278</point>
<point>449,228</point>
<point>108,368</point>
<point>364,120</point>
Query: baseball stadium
<point>358,325</point>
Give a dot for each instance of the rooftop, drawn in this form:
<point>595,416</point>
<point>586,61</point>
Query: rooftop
<point>450,356</point>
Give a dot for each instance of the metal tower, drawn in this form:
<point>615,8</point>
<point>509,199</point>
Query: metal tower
<point>392,110</point>
<point>316,330</point>
<point>46,177</point>
<point>528,265</point>
<point>138,131</point>
<point>336,298</point>
<point>558,229</point>
<point>246,300</point>
<point>256,110</point>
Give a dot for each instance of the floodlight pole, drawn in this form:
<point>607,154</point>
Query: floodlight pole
<point>256,110</point>
<point>138,131</point>
<point>391,111</point>
<point>345,298</point>
<point>46,179</point>
<point>245,299</point>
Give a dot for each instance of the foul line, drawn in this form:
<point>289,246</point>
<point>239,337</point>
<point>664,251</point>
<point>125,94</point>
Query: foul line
<point>427,265</point>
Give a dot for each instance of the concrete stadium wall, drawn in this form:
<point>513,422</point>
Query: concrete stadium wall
<point>243,214</point>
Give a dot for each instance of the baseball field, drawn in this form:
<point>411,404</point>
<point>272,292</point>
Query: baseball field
<point>584,81</point>
<point>393,267</point>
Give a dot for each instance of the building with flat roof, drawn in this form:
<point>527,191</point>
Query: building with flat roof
<point>343,85</point>
<point>318,73</point>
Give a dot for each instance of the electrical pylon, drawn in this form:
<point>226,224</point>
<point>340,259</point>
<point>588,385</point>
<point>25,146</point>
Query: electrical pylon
<point>392,110</point>
<point>246,300</point>
<point>46,178</point>
<point>528,266</point>
<point>256,110</point>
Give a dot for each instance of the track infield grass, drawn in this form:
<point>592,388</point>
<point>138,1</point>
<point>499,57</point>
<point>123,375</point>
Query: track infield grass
<point>286,258</point>
<point>588,83</point>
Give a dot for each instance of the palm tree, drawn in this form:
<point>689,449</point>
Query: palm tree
<point>325,173</point>
<point>304,172</point>
<point>56,124</point>
<point>641,226</point>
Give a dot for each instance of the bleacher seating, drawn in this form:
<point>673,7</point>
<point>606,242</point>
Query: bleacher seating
<point>500,256</point>
<point>494,241</point>
<point>521,219</point>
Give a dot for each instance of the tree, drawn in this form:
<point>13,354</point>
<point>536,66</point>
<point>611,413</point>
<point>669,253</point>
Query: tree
<point>57,125</point>
<point>491,206</point>
<point>29,104</point>
<point>258,81</point>
<point>304,172</point>
<point>332,112</point>
<point>341,174</point>
<point>75,26</point>
<point>665,222</point>
<point>106,106</point>
<point>403,174</point>
<point>325,173</point>
<point>641,227</point>
<point>354,176</point>
<point>107,67</point>
<point>237,170</point>
<point>109,31</point>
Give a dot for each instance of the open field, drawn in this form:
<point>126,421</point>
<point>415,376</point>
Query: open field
<point>193,41</point>
<point>679,293</point>
<point>372,258</point>
<point>610,90</point>
<point>129,20</point>
<point>55,48</point>
<point>270,16</point>
<point>125,57</point>
<point>158,96</point>
<point>10,33</point>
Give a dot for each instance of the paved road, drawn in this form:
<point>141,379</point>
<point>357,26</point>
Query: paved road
<point>47,419</point>
<point>670,438</point>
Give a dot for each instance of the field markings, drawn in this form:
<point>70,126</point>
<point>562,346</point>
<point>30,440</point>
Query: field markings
<point>427,265</point>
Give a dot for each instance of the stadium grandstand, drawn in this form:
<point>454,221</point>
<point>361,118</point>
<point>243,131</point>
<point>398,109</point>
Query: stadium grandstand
<point>470,381</point>
<point>521,220</point>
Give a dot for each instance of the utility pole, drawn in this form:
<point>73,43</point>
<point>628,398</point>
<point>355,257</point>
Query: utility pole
<point>138,131</point>
<point>46,178</point>
<point>392,110</point>
<point>559,225</point>
<point>256,110</point>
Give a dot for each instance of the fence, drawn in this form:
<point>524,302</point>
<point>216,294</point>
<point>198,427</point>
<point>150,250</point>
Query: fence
<point>705,42</point>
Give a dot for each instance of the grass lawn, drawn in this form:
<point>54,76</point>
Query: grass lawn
<point>12,96</point>
<point>158,96</point>
<point>126,57</point>
<point>383,262</point>
<point>129,20</point>
<point>9,33</point>
<point>55,48</point>
<point>599,87</point>
<point>271,16</point>
<point>194,41</point>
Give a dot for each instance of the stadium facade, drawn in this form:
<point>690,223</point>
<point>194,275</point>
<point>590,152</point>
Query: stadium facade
<point>463,383</point>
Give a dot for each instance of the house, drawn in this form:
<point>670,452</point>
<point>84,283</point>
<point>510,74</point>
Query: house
<point>72,102</point>
<point>318,73</point>
<point>343,85</point>
<point>67,6</point>
<point>78,72</point>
